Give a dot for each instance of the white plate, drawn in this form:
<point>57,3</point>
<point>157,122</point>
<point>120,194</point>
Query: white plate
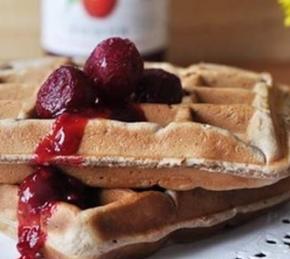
<point>267,237</point>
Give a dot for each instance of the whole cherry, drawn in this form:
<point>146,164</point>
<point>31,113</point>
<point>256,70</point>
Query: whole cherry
<point>115,66</point>
<point>159,86</point>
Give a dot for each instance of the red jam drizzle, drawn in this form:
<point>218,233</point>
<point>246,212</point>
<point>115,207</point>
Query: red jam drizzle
<point>64,140</point>
<point>38,196</point>
<point>68,130</point>
<point>40,192</point>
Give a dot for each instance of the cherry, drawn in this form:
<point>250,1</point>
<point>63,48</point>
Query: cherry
<point>127,113</point>
<point>99,8</point>
<point>159,86</point>
<point>116,66</point>
<point>67,89</point>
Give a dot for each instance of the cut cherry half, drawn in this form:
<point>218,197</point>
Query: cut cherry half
<point>67,89</point>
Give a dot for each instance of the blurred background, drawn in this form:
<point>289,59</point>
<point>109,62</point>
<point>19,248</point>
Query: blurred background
<point>248,33</point>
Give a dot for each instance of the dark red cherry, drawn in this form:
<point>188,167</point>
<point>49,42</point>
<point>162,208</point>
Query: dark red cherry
<point>159,86</point>
<point>116,66</point>
<point>67,89</point>
<point>127,113</point>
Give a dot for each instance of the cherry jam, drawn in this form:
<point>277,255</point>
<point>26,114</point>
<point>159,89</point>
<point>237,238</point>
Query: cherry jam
<point>64,140</point>
<point>38,197</point>
<point>68,130</point>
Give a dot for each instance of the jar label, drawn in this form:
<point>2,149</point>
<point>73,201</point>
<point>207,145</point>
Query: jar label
<point>74,27</point>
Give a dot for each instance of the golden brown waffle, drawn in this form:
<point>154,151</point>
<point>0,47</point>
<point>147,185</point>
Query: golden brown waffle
<point>229,132</point>
<point>127,223</point>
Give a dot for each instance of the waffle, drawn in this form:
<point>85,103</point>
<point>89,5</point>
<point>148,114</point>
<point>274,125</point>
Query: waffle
<point>155,218</point>
<point>221,154</point>
<point>229,132</point>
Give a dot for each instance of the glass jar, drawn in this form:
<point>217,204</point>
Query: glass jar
<point>74,27</point>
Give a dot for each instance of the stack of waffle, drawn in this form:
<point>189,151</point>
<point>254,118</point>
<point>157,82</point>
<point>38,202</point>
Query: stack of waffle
<point>219,156</point>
